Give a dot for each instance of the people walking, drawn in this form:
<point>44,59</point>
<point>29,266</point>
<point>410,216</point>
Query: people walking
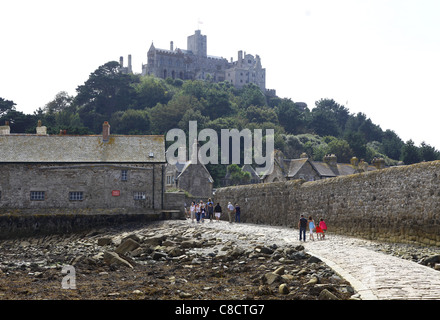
<point>323,226</point>
<point>210,209</point>
<point>237,213</point>
<point>192,210</point>
<point>230,211</point>
<point>218,212</point>
<point>302,225</point>
<point>202,211</point>
<point>311,228</point>
<point>198,212</point>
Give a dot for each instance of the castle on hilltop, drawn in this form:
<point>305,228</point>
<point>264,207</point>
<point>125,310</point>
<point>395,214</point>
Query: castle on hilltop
<point>195,64</point>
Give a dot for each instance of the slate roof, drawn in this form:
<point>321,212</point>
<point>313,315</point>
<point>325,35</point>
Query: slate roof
<point>81,149</point>
<point>182,166</point>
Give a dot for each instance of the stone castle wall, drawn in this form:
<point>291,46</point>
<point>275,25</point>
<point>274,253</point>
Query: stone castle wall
<point>398,204</point>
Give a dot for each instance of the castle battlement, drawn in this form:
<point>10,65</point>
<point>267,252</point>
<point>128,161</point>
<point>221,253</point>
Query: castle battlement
<point>194,64</point>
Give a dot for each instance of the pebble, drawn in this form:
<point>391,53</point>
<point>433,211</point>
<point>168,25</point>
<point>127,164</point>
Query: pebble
<point>283,264</point>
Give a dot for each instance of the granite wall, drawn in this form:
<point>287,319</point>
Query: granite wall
<point>398,204</point>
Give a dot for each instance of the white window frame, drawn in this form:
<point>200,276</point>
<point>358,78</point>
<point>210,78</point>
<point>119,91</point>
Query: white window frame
<point>76,196</point>
<point>124,175</point>
<point>139,195</point>
<point>37,196</point>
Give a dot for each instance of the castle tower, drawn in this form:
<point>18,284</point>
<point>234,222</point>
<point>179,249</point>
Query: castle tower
<point>197,43</point>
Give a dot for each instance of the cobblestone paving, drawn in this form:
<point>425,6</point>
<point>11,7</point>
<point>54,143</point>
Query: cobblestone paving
<point>373,274</point>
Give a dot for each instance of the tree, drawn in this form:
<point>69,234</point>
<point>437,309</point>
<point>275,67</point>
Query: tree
<point>392,145</point>
<point>428,153</point>
<point>324,123</point>
<point>357,143</point>
<point>150,91</point>
<point>341,149</point>
<point>20,122</point>
<point>131,122</point>
<point>6,106</point>
<point>106,91</point>
<point>334,111</point>
<point>410,153</point>
<point>61,102</point>
<point>164,117</point>
<point>261,114</point>
<point>291,116</point>
<point>251,95</point>
<point>237,175</point>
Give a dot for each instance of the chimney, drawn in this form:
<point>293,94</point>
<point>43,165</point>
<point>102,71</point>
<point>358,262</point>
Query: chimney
<point>129,64</point>
<point>363,166</point>
<point>41,129</point>
<point>121,62</point>
<point>105,131</point>
<point>331,160</point>
<point>6,129</point>
<point>354,162</point>
<point>379,163</point>
<point>172,46</point>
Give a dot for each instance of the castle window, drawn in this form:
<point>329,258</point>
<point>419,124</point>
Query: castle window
<point>76,196</point>
<point>124,175</point>
<point>139,196</point>
<point>37,195</point>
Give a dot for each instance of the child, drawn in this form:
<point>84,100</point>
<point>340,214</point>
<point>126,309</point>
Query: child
<point>323,226</point>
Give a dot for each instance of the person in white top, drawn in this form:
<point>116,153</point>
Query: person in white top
<point>192,210</point>
<point>230,211</point>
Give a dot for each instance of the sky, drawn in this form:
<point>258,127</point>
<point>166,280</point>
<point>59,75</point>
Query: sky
<point>378,57</point>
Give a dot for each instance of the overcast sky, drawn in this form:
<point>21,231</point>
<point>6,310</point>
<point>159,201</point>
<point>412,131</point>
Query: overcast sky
<point>378,57</point>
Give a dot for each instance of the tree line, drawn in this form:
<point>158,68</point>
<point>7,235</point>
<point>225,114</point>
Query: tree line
<point>135,104</point>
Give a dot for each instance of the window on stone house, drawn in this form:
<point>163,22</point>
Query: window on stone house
<point>76,196</point>
<point>0,195</point>
<point>139,196</point>
<point>37,195</point>
<point>124,175</point>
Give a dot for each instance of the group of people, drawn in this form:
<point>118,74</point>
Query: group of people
<point>200,211</point>
<point>319,228</point>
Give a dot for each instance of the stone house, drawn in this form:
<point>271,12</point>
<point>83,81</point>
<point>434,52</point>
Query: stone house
<point>191,177</point>
<point>309,170</point>
<point>63,173</point>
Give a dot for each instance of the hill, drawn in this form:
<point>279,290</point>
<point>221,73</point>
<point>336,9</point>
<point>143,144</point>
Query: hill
<point>135,104</point>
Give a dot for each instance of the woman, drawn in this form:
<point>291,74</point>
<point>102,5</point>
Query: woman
<point>198,212</point>
<point>311,228</point>
<point>192,210</point>
<point>218,211</point>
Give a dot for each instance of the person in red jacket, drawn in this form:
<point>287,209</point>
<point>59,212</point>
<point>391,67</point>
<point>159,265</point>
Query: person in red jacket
<point>323,226</point>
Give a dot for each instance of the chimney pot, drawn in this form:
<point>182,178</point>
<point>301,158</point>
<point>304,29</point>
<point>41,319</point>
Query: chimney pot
<point>5,129</point>
<point>105,131</point>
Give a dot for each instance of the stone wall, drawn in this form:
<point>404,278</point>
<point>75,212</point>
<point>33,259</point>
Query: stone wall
<point>19,225</point>
<point>398,204</point>
<point>101,186</point>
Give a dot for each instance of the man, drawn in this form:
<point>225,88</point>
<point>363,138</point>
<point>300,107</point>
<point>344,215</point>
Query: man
<point>302,225</point>
<point>237,213</point>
